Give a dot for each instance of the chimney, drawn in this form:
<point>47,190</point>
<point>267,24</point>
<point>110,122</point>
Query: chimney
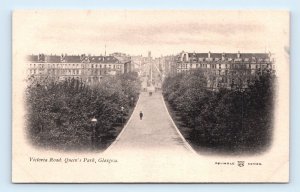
<point>238,54</point>
<point>223,56</point>
<point>209,54</point>
<point>270,55</point>
<point>62,57</point>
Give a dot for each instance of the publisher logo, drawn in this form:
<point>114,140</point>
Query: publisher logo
<point>241,163</point>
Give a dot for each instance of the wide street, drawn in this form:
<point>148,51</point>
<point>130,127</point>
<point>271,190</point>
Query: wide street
<point>155,132</point>
<point>151,149</point>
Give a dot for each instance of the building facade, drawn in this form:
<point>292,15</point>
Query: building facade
<point>83,67</point>
<point>169,64</point>
<point>226,70</point>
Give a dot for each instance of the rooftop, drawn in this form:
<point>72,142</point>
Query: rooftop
<point>64,58</point>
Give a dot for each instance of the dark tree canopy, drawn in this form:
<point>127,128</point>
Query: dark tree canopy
<point>230,121</point>
<point>59,113</point>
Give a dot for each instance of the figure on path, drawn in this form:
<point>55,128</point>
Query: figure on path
<point>141,115</point>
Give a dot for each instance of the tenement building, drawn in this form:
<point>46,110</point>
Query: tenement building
<point>169,64</point>
<point>82,67</point>
<point>228,70</point>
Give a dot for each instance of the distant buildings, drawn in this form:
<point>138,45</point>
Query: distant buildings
<point>169,65</point>
<point>138,61</point>
<point>228,70</point>
<point>83,67</point>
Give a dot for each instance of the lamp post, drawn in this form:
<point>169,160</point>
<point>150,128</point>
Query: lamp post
<point>131,101</point>
<point>122,110</point>
<point>93,135</point>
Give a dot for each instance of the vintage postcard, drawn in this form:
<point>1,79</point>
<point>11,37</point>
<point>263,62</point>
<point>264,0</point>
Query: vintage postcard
<point>150,96</point>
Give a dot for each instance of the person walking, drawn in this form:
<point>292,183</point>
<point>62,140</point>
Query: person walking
<point>141,115</point>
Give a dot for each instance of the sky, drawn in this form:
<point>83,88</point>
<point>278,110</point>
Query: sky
<point>161,32</point>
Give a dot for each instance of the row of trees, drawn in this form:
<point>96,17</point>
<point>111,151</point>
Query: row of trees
<point>59,113</point>
<point>228,120</point>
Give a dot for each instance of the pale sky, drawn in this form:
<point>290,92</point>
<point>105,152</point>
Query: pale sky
<point>161,32</point>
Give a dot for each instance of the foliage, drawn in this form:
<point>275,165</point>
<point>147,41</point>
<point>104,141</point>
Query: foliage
<point>224,120</point>
<point>59,113</point>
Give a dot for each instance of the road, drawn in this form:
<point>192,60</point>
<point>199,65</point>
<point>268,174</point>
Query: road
<point>155,132</point>
<point>151,149</point>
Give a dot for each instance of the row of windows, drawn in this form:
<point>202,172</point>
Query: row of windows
<point>228,66</point>
<point>114,66</point>
<point>193,59</point>
<point>225,72</point>
<point>69,71</point>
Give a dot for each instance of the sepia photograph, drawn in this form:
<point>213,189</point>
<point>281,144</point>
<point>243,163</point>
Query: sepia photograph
<point>156,96</point>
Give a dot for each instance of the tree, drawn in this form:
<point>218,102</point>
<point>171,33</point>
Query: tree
<point>230,120</point>
<point>59,113</point>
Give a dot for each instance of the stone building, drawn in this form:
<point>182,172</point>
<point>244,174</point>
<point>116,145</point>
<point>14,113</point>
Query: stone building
<point>82,67</point>
<point>226,70</point>
<point>169,64</point>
